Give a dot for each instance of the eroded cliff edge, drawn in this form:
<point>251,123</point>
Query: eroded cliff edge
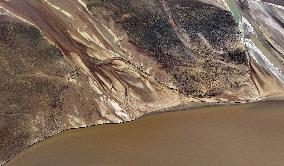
<point>70,64</point>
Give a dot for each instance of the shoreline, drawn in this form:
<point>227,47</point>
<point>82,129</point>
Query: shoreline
<point>183,108</point>
<point>231,125</point>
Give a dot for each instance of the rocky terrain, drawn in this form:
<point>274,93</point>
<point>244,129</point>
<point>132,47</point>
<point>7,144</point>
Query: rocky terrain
<point>77,63</point>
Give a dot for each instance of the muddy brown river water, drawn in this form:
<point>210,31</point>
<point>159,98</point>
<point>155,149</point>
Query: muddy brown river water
<point>238,135</point>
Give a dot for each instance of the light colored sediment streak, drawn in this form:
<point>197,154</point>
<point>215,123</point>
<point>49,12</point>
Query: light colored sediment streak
<point>118,110</point>
<point>82,3</point>
<point>256,38</point>
<point>219,3</point>
<point>58,9</point>
<point>262,60</point>
<point>247,26</point>
<point>270,4</point>
<point>76,122</point>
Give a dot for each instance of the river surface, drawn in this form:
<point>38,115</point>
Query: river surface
<point>238,135</point>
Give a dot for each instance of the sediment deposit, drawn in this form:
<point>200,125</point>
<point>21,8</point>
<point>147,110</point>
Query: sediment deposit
<point>69,64</point>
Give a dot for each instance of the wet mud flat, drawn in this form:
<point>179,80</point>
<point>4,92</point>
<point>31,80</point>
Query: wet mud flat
<point>249,134</point>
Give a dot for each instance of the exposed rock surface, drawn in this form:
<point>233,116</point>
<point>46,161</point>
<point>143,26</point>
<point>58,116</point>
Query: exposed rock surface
<point>69,64</point>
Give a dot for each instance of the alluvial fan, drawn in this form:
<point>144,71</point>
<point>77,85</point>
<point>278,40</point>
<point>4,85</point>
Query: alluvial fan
<point>76,63</point>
